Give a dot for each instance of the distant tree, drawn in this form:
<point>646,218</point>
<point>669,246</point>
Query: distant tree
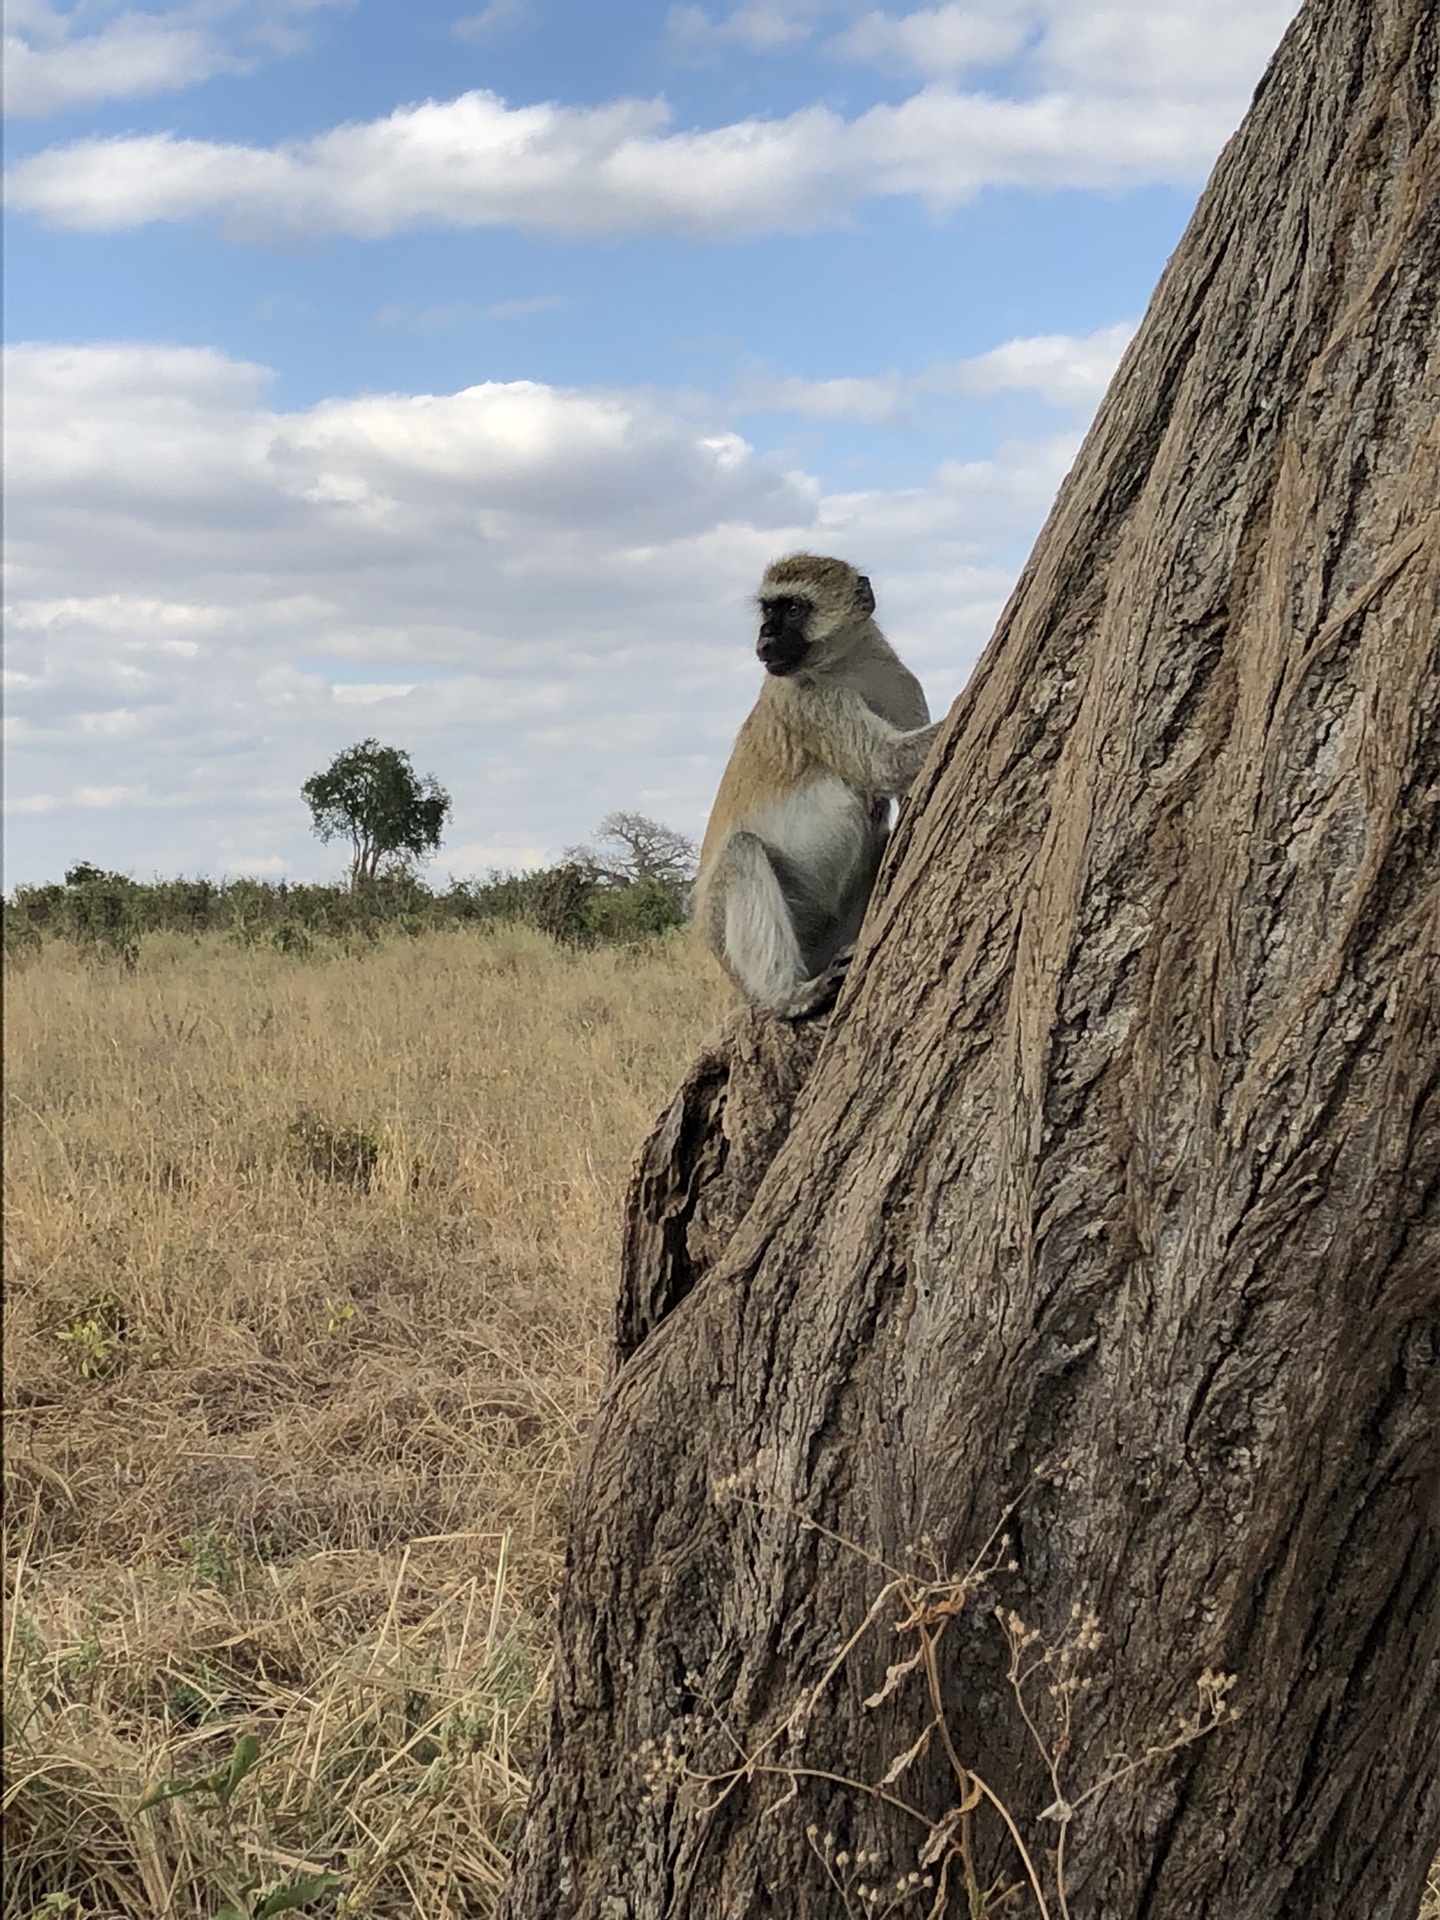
<point>633,849</point>
<point>373,797</point>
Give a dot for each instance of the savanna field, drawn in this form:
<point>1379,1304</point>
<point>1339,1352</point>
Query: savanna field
<point>311,1259</point>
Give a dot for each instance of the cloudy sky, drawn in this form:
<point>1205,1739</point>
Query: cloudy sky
<point>449,376</point>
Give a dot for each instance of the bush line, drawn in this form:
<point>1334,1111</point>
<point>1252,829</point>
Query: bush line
<point>109,912</point>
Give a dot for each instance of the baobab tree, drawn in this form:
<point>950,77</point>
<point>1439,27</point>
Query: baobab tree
<point>1021,1472</point>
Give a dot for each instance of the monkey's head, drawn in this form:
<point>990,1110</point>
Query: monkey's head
<point>809,606</point>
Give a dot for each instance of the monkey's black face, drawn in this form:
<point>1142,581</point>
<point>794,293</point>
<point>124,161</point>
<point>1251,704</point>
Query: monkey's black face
<point>782,645</point>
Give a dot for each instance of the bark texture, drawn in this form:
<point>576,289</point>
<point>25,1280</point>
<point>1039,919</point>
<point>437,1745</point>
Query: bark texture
<point>1110,1201</point>
<point>702,1166</point>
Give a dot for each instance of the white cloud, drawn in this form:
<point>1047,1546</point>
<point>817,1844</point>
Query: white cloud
<point>421,319</point>
<point>83,798</point>
<point>1063,369</point>
<point>1196,48</point>
<point>757,26</point>
<point>106,796</point>
<point>117,613</point>
<point>1116,96</point>
<point>49,66</point>
<point>486,856</point>
<point>437,319</point>
<point>541,593</point>
<point>879,401</point>
<point>610,170</point>
<point>522,309</point>
<point>491,19</point>
<point>1179,49</point>
<point>361,693</point>
<point>938,40</point>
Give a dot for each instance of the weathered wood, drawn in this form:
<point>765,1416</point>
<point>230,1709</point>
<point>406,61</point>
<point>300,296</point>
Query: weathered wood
<point>1113,1191</point>
<point>702,1165</point>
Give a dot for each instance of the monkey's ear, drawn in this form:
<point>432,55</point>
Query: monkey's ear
<point>864,593</point>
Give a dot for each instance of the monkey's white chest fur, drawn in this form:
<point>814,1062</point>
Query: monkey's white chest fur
<point>821,830</point>
<point>825,844</point>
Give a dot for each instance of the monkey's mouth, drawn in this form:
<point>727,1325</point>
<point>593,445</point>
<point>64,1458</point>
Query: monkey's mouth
<point>781,656</point>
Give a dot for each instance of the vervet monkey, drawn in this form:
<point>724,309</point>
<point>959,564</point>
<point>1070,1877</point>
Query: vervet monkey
<point>802,816</point>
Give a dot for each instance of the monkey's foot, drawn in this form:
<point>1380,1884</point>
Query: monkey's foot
<point>819,995</point>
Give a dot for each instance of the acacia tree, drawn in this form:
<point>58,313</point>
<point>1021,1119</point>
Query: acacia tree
<point>634,850</point>
<point>1088,1266</point>
<point>372,796</point>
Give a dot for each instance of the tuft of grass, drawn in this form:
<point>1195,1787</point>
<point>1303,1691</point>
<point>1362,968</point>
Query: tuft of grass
<point>309,1273</point>
<point>347,1154</point>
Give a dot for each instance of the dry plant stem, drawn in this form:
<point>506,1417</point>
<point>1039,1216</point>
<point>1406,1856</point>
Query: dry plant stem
<point>829,1871</point>
<point>973,1788</point>
<point>770,1770</point>
<point>804,1706</point>
<point>924,1604</point>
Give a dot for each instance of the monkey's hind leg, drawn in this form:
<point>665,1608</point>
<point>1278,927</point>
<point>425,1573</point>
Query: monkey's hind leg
<point>819,994</point>
<point>752,928</point>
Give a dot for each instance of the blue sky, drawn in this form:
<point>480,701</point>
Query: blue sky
<point>450,375</point>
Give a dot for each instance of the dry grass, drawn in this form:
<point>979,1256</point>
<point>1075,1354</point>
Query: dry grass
<point>309,1273</point>
<point>309,1276</point>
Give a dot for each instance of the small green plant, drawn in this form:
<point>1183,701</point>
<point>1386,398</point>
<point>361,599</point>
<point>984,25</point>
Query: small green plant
<point>209,1560</point>
<point>258,1903</point>
<point>192,1705</point>
<point>93,1338</point>
<point>339,1314</point>
<point>80,1661</point>
<point>219,1786</point>
<point>249,1900</point>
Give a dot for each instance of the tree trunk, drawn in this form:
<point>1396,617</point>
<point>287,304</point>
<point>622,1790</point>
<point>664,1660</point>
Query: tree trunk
<point>1091,1279</point>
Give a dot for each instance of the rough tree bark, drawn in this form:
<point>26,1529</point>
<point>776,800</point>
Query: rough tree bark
<point>1107,1212</point>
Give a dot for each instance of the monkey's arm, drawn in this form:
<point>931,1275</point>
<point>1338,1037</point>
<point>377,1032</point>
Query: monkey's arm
<point>867,752</point>
<point>751,930</point>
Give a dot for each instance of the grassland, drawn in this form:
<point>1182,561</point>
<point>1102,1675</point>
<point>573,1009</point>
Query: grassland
<point>311,1257</point>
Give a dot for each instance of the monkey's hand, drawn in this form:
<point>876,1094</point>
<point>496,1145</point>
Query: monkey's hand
<point>817,996</point>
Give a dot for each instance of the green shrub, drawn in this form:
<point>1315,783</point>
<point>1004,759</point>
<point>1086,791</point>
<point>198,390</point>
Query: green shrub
<point>629,915</point>
<point>107,914</point>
